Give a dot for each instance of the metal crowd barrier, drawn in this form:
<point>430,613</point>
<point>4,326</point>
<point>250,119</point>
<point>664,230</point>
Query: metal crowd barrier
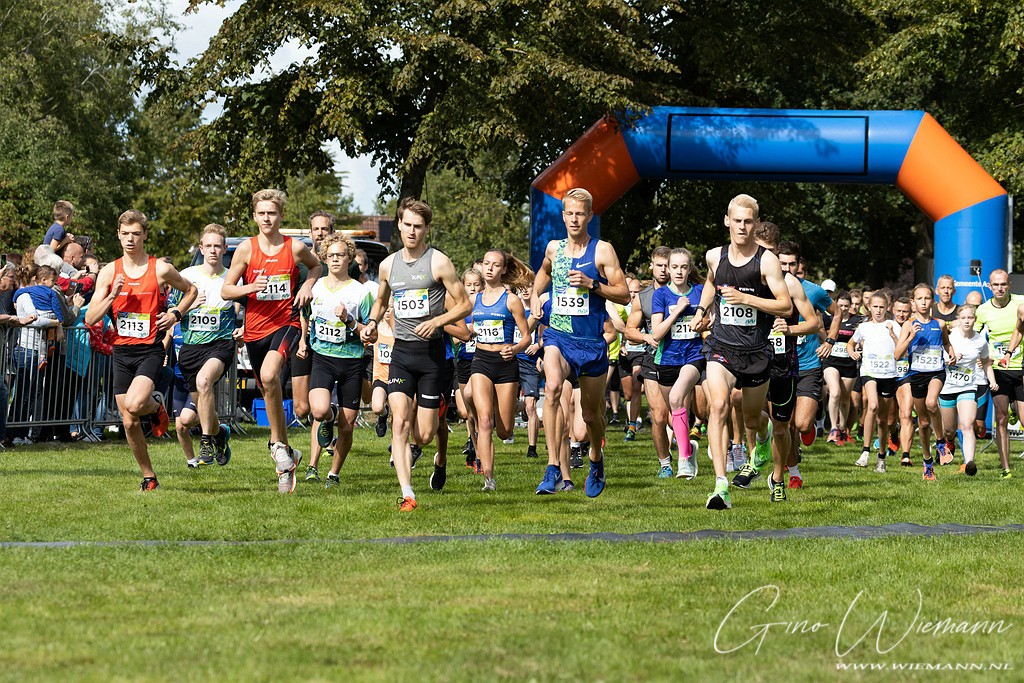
<point>57,386</point>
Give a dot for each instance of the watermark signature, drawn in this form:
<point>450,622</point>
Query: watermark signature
<point>887,635</point>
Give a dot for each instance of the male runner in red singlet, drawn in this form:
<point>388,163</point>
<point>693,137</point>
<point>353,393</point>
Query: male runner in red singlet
<point>269,263</point>
<point>129,289</point>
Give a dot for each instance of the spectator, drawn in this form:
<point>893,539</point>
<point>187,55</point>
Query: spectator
<point>8,319</point>
<point>48,253</point>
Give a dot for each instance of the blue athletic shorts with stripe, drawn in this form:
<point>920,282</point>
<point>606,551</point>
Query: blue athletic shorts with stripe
<point>587,357</point>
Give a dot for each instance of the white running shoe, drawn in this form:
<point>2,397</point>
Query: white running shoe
<point>862,461</point>
<point>687,468</point>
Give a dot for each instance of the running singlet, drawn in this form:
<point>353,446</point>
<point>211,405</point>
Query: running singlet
<point>646,297</point>
<point>418,296</point>
<point>840,355</point>
<point>925,350</point>
<point>215,318</point>
<point>577,311</point>
<point>136,307</point>
<point>784,358</point>
<point>493,324</point>
<point>270,310</point>
<point>681,345</point>
<point>965,374</point>
<point>1000,323</point>
<point>740,325</point>
<point>878,348</point>
<point>329,335</point>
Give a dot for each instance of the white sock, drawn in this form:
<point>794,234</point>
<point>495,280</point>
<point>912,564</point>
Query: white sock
<point>794,471</point>
<point>665,462</point>
<point>719,481</point>
<point>407,492</point>
<point>574,444</point>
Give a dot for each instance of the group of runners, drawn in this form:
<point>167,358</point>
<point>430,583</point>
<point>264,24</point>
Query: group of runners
<point>747,350</point>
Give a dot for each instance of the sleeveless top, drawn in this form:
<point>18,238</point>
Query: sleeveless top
<point>577,311</point>
<point>137,306</point>
<point>493,324</point>
<point>925,350</point>
<point>418,296</point>
<point>270,310</point>
<point>785,362</point>
<point>740,325</point>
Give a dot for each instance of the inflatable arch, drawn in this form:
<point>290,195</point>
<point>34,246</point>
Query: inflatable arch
<point>906,148</point>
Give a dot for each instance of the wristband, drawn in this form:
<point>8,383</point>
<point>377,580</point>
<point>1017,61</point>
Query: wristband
<point>830,341</point>
<point>176,313</point>
<point>702,309</point>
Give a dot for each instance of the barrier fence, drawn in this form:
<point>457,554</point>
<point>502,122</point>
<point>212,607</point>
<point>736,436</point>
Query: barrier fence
<point>53,383</point>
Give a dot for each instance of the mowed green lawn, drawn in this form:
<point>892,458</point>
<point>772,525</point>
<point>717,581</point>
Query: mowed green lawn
<point>497,609</point>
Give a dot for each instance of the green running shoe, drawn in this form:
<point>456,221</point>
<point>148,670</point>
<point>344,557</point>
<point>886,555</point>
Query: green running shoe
<point>719,500</point>
<point>763,450</point>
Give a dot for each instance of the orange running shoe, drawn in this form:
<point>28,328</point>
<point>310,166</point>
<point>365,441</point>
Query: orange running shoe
<point>161,421</point>
<point>407,504</point>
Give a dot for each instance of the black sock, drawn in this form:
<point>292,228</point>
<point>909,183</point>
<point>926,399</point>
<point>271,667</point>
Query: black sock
<point>881,455</point>
<point>906,454</point>
<point>927,461</point>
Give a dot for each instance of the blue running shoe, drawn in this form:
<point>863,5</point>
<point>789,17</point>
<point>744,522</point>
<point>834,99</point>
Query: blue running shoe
<point>222,445</point>
<point>549,484</point>
<point>595,480</point>
<point>665,472</point>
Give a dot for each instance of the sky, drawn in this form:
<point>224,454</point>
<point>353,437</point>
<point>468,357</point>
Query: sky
<point>199,26</point>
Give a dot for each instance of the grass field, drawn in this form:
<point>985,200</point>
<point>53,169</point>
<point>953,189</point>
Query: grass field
<point>488,610</point>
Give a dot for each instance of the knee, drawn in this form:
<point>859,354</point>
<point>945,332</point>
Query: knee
<point>720,407</point>
<point>932,406</point>
<point>590,416</point>
<point>485,423</point>
<point>345,428</point>
<point>271,383</point>
<point>204,385</point>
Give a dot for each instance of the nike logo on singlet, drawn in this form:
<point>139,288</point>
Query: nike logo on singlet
<point>582,265</point>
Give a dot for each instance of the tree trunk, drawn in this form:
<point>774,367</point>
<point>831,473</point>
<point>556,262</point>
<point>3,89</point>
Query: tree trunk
<point>412,184</point>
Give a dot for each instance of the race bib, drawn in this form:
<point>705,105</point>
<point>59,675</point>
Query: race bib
<point>490,331</point>
<point>384,354</point>
<point>999,350</point>
<point>204,320</point>
<point>470,346</point>
<point>517,336</point>
<point>572,301</point>
<point>928,359</point>
<point>839,350</point>
<point>902,367</point>
<point>960,375</point>
<point>741,316</point>
<point>681,328</point>
<point>134,325</point>
<point>411,303</point>
<point>331,331</point>
<point>878,364</point>
<point>635,348</point>
<point>778,342</point>
<point>279,288</point>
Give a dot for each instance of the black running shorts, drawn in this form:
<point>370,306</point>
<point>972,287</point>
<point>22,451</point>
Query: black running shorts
<point>419,370</point>
<point>193,357</point>
<point>346,373</point>
<point>136,360</point>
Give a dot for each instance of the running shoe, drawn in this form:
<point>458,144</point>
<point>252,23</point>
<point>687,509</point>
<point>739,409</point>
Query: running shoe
<point>381,428</point>
<point>719,499</point>
<point>833,437</point>
<point>929,472</point>
<point>796,482</point>
<point>739,457</point>
<point>1006,475</point>
<point>575,457</point>
<point>665,472</point>
<point>160,420</point>
<point>438,477</point>
<point>407,504</point>
<point>862,461</point>
<point>468,448</point>
<point>333,480</point>
<point>150,484</point>
<point>687,467</point>
<point>905,461</point>
<point>488,484</point>
<point>222,444</point>
<point>509,441</point>
<point>942,454</point>
<point>971,469</point>
<point>417,453</point>
<point>549,484</point>
<point>325,432</point>
<point>746,475</point>
<point>875,445</point>
<point>894,447</point>
<point>192,464</point>
<point>614,420</point>
<point>880,466</point>
<point>731,457</point>
<point>777,490</point>
<point>206,451</point>
<point>478,467</point>
<point>531,452</point>
<point>286,460</point>
<point>595,480</point>
<point>629,436</point>
<point>763,450</point>
<point>567,486</point>
<point>694,432</point>
<point>470,460</point>
<point>312,474</point>
<point>963,469</point>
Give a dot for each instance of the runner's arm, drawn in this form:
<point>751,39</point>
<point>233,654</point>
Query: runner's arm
<point>616,290</point>
<point>541,282</point>
<point>103,297</point>
<point>811,323</point>
<point>240,261</point>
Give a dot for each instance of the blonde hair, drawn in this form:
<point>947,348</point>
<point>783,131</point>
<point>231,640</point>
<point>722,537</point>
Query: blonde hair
<point>744,201</point>
<point>62,209</point>
<point>335,238</point>
<point>276,196</point>
<point>214,229</point>
<point>580,195</point>
<point>472,272</point>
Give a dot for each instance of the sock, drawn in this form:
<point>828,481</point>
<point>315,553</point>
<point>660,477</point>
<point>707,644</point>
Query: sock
<point>881,455</point>
<point>906,455</point>
<point>665,462</point>
<point>682,432</point>
<point>794,471</point>
<point>407,492</point>
<point>865,450</point>
<point>928,460</point>
<point>721,482</point>
<point>574,444</point>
